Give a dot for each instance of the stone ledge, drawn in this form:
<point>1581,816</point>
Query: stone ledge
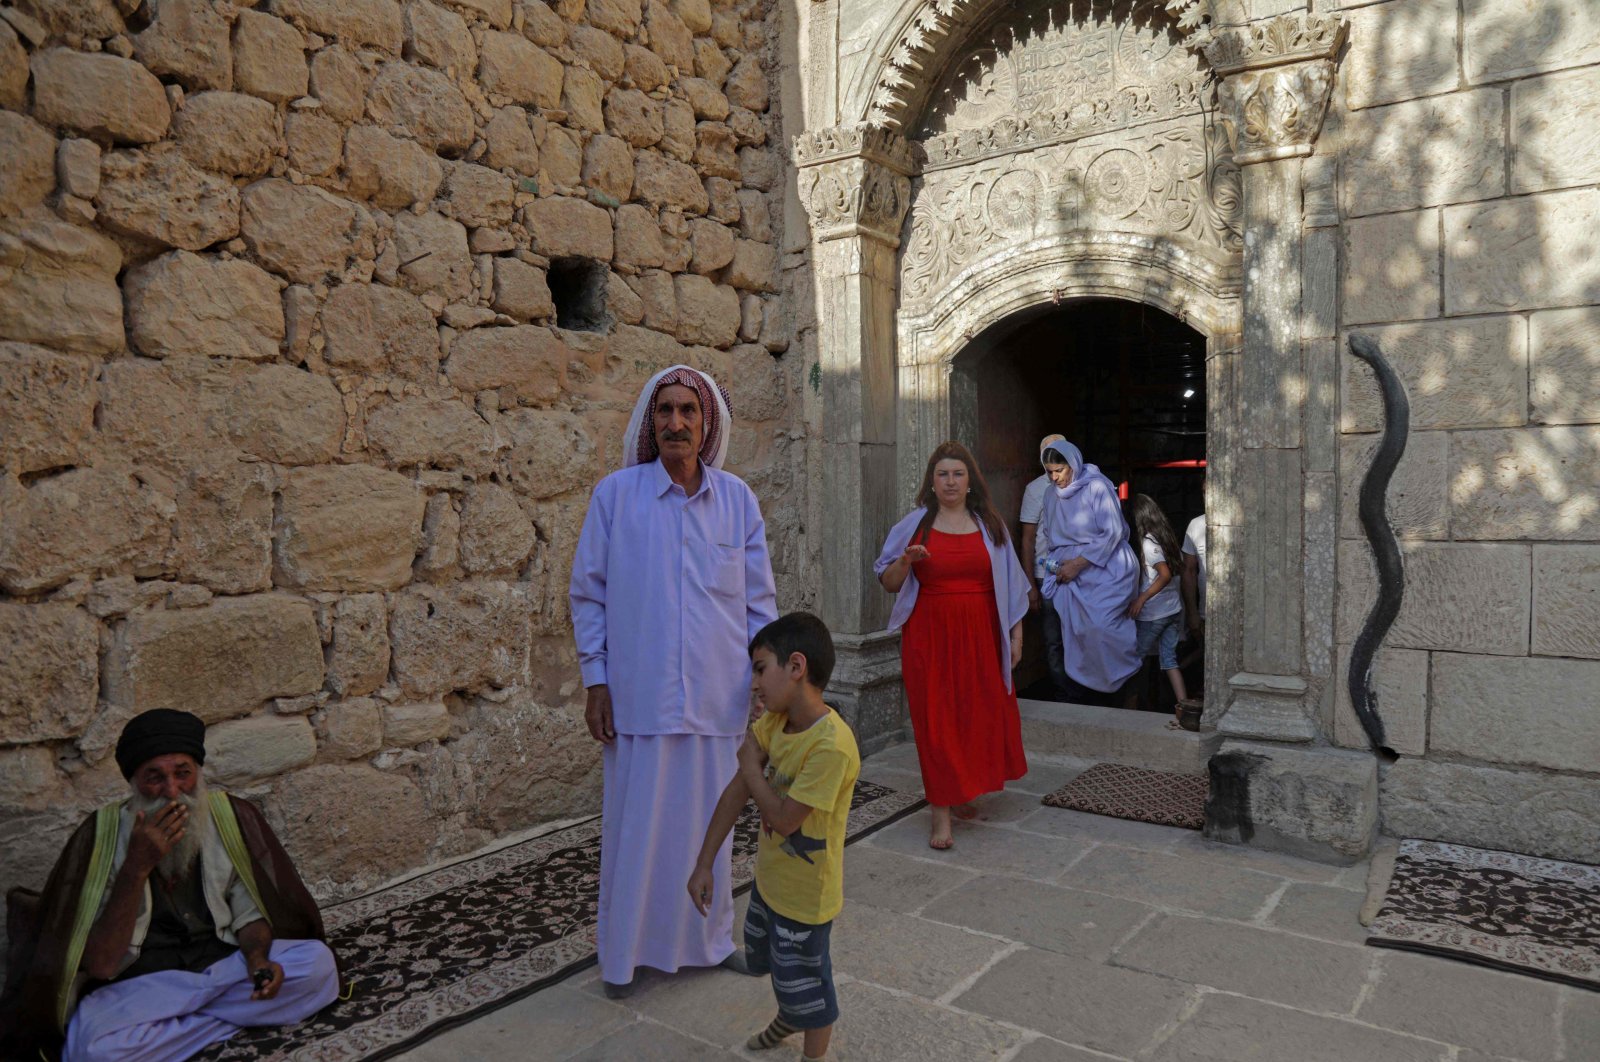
<point>1317,803</point>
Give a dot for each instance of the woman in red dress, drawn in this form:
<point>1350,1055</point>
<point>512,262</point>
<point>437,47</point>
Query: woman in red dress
<point>961,596</point>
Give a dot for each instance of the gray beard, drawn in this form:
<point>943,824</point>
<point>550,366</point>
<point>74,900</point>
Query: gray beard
<point>179,863</point>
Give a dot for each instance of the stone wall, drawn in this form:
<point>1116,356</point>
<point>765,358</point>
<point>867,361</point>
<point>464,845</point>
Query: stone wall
<point>1466,156</point>
<point>318,320</point>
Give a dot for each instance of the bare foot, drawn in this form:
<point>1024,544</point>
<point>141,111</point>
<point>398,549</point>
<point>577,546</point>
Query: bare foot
<point>964,811</point>
<point>941,837</point>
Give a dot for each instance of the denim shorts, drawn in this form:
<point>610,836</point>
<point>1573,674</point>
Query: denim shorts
<point>796,955</point>
<point>1163,633</point>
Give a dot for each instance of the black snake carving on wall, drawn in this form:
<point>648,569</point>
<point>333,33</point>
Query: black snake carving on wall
<point>1380,535</point>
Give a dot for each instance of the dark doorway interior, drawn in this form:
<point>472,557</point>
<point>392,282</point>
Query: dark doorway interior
<point>1123,381</point>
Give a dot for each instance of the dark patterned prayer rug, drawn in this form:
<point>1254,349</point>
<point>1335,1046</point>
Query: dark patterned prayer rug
<point>1539,917</point>
<point>1138,793</point>
<point>451,944</point>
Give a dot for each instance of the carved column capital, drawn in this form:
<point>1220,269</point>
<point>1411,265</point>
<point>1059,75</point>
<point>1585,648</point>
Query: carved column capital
<point>855,181</point>
<point>1277,79</point>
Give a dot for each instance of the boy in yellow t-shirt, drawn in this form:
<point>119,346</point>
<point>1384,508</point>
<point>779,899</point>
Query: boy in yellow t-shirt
<point>799,763</point>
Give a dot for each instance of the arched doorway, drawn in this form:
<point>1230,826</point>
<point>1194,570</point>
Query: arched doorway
<point>1122,380</point>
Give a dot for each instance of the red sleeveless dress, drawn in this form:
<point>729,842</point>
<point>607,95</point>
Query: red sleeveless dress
<point>968,731</point>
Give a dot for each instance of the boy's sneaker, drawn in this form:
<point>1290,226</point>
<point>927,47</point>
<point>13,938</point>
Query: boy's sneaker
<point>738,963</point>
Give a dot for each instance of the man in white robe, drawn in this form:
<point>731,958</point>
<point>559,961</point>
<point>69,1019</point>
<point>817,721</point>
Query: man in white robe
<point>670,582</point>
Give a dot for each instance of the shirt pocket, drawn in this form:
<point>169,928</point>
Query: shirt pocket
<point>725,571</point>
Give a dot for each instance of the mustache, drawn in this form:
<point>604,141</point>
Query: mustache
<point>675,436</point>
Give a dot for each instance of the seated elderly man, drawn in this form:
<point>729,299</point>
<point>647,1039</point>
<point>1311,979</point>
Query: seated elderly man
<point>171,919</point>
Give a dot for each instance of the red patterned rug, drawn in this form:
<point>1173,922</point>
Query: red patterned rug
<point>1539,917</point>
<point>1136,793</point>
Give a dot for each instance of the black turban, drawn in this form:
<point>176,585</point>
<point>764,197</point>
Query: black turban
<point>159,732</point>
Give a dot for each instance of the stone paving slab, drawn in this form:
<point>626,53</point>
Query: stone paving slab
<point>647,1042</point>
<point>988,848</point>
<point>911,954</point>
<point>877,1025</point>
<point>1178,882</point>
<point>896,882</point>
<point>1045,1049</point>
<point>1580,1023</point>
<point>1008,806</point>
<point>1077,1002</point>
<point>1323,911</point>
<point>1498,1013</point>
<point>1069,921</point>
<point>1046,776</point>
<point>1254,962</point>
<point>897,778</point>
<point>544,1027</point>
<point>1101,829</point>
<point>714,1005</point>
<point>1234,1029</point>
<point>1194,846</point>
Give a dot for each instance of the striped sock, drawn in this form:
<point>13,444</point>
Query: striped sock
<point>771,1036</point>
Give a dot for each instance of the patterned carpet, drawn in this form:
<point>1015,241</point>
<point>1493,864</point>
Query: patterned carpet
<point>1539,917</point>
<point>452,944</point>
<point>1124,792</point>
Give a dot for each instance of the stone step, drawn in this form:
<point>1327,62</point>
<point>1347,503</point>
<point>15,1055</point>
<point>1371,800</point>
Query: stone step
<point>1113,735</point>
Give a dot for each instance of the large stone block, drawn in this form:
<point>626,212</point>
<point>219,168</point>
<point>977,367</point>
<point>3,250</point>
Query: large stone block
<point>13,69</point>
<point>222,532</point>
<point>522,290</point>
<point>608,167</point>
<point>163,413</point>
<point>339,82</point>
<point>669,37</point>
<point>344,843</point>
<point>633,116</point>
<point>347,527</point>
<point>1501,39</point>
<point>244,750</point>
<point>373,23</point>
<point>561,227</point>
<point>350,729</point>
<point>459,637</point>
<point>1536,812</point>
<point>228,132</point>
<point>423,104</point>
<point>286,415</point>
<point>395,173</point>
<point>1523,710</point>
<point>370,327</point>
<point>1399,52</point>
<point>550,454</point>
<point>358,654</point>
<point>405,725</point>
<point>1461,597</point>
<point>219,661</point>
<point>315,144</point>
<point>1566,601</point>
<point>510,143</point>
<point>620,17</point>
<point>707,313</point>
<point>188,41</point>
<point>478,196</point>
<point>182,303</point>
<point>512,66</point>
<point>1457,374</point>
<point>302,232</point>
<point>1564,366</point>
<point>1425,153</point>
<point>526,358</point>
<point>58,284</point>
<point>1521,253</point>
<point>100,94</point>
<point>1418,496</point>
<point>47,405</point>
<point>434,255</point>
<point>507,794</point>
<point>581,93</point>
<point>1315,803</point>
<point>423,431</point>
<point>30,171</point>
<point>1391,268</point>
<point>80,523</point>
<point>754,267</point>
<point>496,535</point>
<point>1400,679</point>
<point>664,182</point>
<point>156,196</point>
<point>439,37</point>
<point>269,57</point>
<point>1555,131</point>
<point>49,672</point>
<point>1534,483</point>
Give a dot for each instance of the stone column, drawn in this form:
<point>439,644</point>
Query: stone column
<point>855,184</point>
<point>1277,76</point>
<point>1276,783</point>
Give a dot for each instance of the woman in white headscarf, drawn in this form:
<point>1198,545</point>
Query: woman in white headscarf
<point>1091,575</point>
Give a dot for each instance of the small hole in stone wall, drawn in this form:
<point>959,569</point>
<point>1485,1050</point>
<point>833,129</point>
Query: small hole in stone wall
<point>578,288</point>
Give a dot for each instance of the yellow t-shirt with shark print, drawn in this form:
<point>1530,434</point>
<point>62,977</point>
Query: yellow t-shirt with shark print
<point>802,876</point>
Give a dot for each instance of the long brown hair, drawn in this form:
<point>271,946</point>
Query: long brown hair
<point>1147,519</point>
<point>978,501</point>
